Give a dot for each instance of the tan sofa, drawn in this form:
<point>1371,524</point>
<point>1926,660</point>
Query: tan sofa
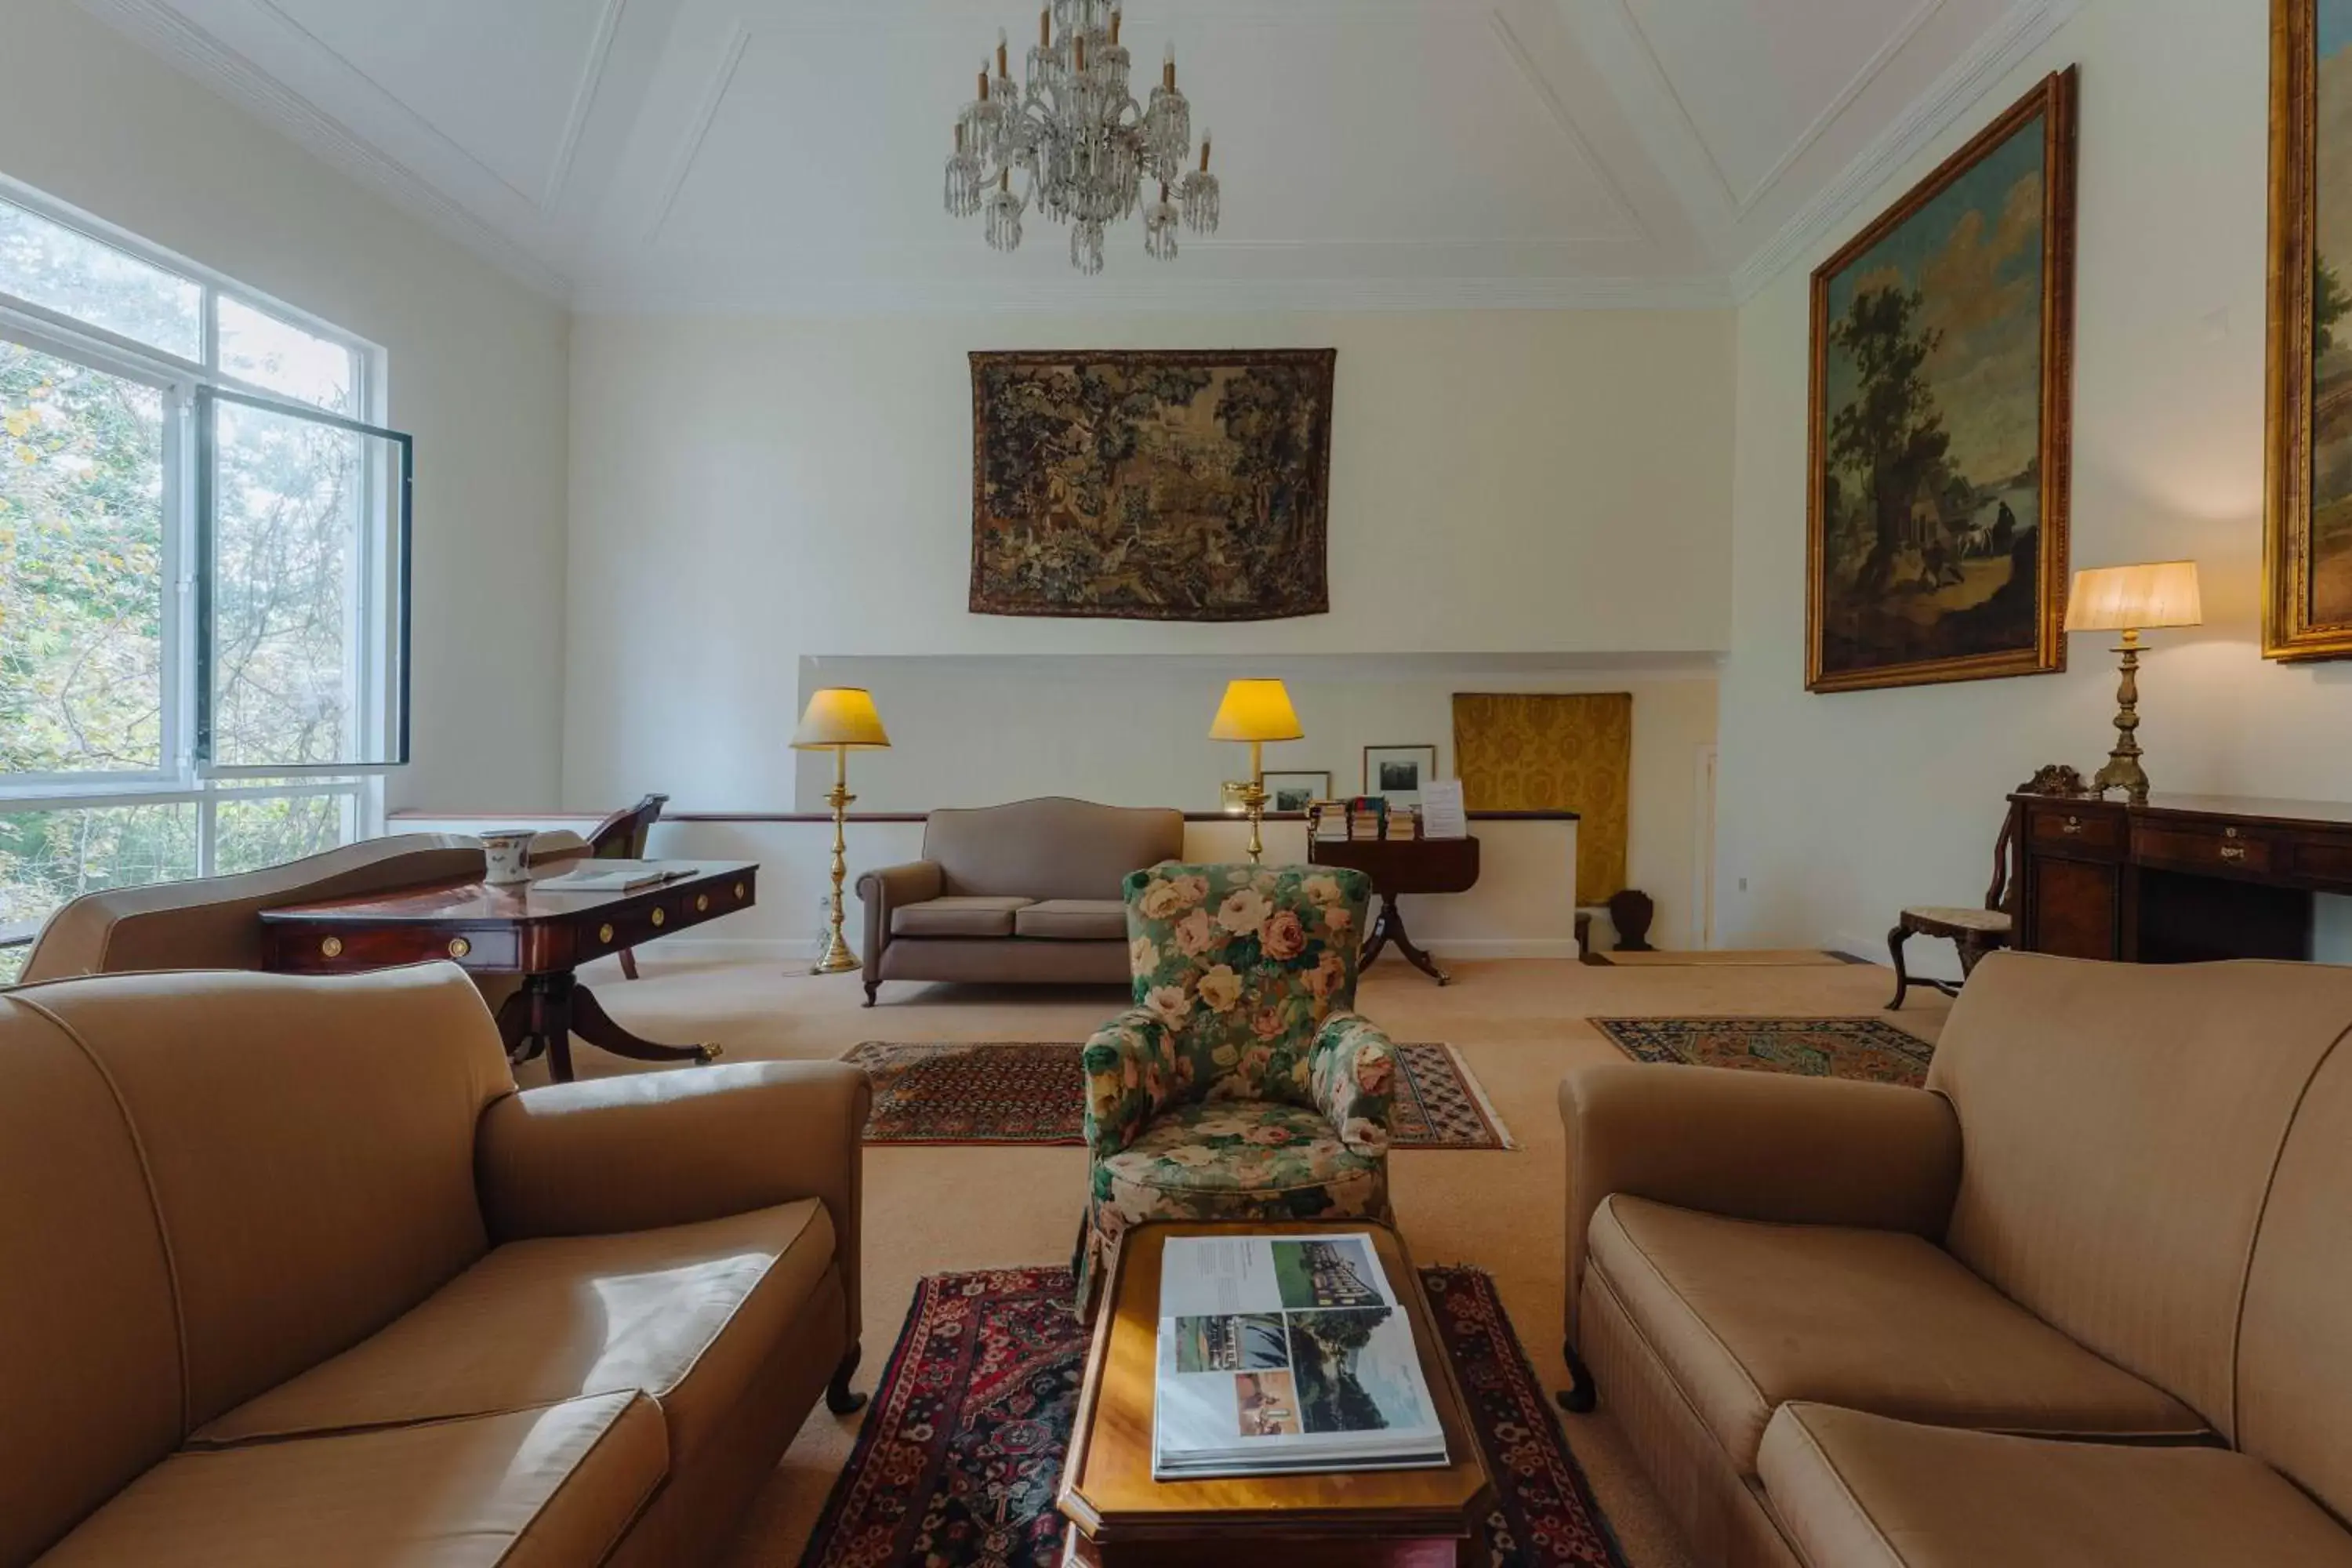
<point>1028,891</point>
<point>291,1274</point>
<point>2084,1299</point>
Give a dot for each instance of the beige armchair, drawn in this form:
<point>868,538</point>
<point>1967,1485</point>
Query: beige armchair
<point>292,1274</point>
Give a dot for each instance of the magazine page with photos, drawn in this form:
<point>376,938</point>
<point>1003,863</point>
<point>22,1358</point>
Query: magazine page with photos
<point>1286,1353</point>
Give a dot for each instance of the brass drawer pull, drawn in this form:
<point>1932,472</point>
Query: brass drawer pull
<point>459,947</point>
<point>331,948</point>
<point>2071,827</point>
<point>605,933</point>
<point>701,903</point>
<point>2233,851</point>
<point>661,917</point>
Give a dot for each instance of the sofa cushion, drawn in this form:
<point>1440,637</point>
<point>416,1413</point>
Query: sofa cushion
<point>548,1487</point>
<point>1747,1316</point>
<point>683,1314</point>
<point>1861,1491</point>
<point>957,916</point>
<point>1073,920</point>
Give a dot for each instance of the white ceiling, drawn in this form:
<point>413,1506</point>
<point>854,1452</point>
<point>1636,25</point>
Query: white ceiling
<point>786,154</point>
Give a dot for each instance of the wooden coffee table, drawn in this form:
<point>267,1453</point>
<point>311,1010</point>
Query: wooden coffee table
<point>1121,1517</point>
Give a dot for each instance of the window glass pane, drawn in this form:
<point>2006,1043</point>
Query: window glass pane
<point>68,272</point>
<point>257,347</point>
<point>293,504</point>
<point>250,834</point>
<point>49,857</point>
<point>81,568</point>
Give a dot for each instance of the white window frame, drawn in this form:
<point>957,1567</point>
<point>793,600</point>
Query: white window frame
<point>183,777</point>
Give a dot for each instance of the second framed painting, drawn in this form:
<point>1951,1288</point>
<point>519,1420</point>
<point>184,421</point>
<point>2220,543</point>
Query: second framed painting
<point>1942,378</point>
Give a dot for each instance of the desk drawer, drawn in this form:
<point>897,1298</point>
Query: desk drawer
<point>2223,851</point>
<point>2084,832</point>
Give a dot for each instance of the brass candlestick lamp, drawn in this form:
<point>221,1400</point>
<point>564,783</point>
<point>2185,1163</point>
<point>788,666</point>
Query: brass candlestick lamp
<point>840,719</point>
<point>2132,599</point>
<point>1256,711</point>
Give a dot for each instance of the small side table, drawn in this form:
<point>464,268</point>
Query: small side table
<point>1398,867</point>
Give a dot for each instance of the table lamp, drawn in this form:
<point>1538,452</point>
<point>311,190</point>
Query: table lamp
<point>1256,711</point>
<point>2132,599</point>
<point>840,719</point>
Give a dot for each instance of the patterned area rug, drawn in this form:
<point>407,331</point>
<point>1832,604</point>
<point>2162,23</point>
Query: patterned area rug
<point>1032,1092</point>
<point>960,1454</point>
<point>1866,1048</point>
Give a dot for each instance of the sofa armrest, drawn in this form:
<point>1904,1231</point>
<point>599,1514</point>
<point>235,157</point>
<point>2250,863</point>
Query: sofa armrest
<point>1353,1080</point>
<point>1761,1146</point>
<point>888,889</point>
<point>1131,1071</point>
<point>650,1149</point>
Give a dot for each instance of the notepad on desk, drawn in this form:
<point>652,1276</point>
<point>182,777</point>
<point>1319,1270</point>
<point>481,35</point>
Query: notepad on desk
<point>615,877</point>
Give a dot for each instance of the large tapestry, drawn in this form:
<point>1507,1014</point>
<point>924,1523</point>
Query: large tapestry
<point>1551,752</point>
<point>1942,349</point>
<point>1151,486</point>
<point>2308,602</point>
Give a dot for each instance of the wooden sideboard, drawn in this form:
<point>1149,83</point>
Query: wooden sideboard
<point>2181,878</point>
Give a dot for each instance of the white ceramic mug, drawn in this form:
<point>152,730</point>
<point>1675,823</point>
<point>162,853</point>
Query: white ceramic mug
<point>508,850</point>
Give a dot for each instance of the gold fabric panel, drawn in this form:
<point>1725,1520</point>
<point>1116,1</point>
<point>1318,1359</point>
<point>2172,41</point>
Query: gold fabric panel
<point>1551,752</point>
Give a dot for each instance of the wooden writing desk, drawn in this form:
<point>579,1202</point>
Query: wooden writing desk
<point>2182,878</point>
<point>526,930</point>
<point>1398,866</point>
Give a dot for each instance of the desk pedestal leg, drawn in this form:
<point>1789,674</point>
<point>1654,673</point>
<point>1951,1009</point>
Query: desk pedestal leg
<point>543,1015</point>
<point>1388,927</point>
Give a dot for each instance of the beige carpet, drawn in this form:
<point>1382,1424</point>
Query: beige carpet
<point>1721,958</point>
<point>1518,1023</point>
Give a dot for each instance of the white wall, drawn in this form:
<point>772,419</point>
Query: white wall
<point>1836,811</point>
<point>477,365</point>
<point>748,492</point>
<point>1132,731</point>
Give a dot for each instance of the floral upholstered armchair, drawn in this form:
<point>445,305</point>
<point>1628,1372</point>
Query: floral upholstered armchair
<point>1242,1085</point>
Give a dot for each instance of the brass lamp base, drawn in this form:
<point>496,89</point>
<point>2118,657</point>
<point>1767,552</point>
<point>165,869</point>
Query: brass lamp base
<point>837,958</point>
<point>2123,770</point>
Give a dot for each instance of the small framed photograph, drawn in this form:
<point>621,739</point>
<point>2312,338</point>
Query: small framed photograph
<point>1291,791</point>
<point>1397,773</point>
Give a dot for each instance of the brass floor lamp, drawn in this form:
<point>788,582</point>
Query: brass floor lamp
<point>840,719</point>
<point>1255,711</point>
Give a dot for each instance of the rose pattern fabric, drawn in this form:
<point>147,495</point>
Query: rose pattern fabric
<point>1241,1083</point>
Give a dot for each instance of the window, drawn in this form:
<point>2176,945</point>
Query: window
<point>204,555</point>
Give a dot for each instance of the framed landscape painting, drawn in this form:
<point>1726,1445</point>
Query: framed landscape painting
<point>2307,553</point>
<point>1942,371</point>
<point>1151,486</point>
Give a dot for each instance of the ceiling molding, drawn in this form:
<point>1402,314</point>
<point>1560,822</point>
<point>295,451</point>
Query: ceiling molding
<point>1540,85</point>
<point>706,110</point>
<point>2027,27</point>
<point>865,296</point>
<point>583,100</point>
<point>1741,205</point>
<point>197,54</point>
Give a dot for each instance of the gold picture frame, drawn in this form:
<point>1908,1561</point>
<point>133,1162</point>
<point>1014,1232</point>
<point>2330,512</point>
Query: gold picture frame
<point>2295,626</point>
<point>1862,615</point>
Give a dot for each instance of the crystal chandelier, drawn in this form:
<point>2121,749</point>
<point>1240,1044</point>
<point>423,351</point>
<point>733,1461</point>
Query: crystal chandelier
<point>1085,150</point>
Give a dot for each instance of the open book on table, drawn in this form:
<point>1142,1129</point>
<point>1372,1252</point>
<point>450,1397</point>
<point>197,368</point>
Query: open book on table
<point>1282,1354</point>
<point>615,877</point>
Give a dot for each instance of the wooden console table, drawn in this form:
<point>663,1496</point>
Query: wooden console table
<point>2181,878</point>
<point>1400,866</point>
<point>528,931</point>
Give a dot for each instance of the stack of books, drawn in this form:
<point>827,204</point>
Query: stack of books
<point>1366,814</point>
<point>1404,822</point>
<point>1279,1355</point>
<point>1328,820</point>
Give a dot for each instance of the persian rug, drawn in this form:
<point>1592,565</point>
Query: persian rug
<point>1866,1048</point>
<point>960,1454</point>
<point>1030,1092</point>
<point>1725,957</point>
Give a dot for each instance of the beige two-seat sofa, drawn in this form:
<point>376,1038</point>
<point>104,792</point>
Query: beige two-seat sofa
<point>1028,891</point>
<point>2086,1298</point>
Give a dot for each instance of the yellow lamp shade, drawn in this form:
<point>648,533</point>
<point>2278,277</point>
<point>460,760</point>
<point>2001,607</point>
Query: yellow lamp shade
<point>840,716</point>
<point>2135,598</point>
<point>1255,711</point>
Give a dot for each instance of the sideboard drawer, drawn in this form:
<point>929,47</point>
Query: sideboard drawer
<point>2224,851</point>
<point>2091,834</point>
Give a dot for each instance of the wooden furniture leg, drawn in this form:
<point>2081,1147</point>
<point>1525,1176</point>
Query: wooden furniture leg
<point>629,963</point>
<point>838,1396</point>
<point>593,1024</point>
<point>1389,927</point>
<point>1894,940</point>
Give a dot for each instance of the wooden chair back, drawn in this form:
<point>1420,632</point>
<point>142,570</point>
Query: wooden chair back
<point>622,836</point>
